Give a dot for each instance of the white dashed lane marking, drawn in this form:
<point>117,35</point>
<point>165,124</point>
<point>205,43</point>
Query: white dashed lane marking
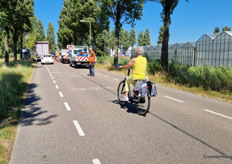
<point>61,94</point>
<point>67,106</point>
<point>174,99</point>
<point>57,87</point>
<point>78,127</point>
<point>115,79</point>
<point>218,114</point>
<point>96,161</point>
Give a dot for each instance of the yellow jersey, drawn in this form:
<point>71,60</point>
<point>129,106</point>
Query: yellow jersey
<point>138,68</point>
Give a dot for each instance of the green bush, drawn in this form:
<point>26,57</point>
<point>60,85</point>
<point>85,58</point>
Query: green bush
<point>210,78</point>
<point>154,67</point>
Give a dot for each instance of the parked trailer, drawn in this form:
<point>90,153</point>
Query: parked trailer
<point>42,48</point>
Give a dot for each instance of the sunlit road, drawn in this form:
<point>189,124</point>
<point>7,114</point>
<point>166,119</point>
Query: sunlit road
<point>71,118</point>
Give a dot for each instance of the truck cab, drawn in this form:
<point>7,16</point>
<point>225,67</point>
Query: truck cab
<point>79,56</point>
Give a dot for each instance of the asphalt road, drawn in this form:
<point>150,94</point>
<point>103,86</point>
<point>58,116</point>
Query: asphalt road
<point>72,118</point>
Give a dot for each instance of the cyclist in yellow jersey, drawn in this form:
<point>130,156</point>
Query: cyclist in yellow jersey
<point>139,65</point>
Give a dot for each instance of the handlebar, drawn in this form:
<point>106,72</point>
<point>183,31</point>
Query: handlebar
<point>128,73</point>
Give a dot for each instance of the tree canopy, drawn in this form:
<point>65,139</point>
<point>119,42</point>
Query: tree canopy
<point>140,38</point>
<point>147,38</point>
<point>51,37</point>
<point>72,31</point>
<point>15,18</point>
<point>161,33</point>
<point>123,12</point>
<point>132,37</point>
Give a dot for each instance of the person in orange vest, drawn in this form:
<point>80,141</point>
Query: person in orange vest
<point>92,59</point>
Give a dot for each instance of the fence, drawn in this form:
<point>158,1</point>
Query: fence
<point>210,49</point>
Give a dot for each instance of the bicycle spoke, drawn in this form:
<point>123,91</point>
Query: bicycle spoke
<point>121,93</point>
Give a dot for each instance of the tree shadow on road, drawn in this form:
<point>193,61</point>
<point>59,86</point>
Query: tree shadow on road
<point>31,111</point>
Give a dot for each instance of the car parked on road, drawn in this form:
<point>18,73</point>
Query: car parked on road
<point>26,54</point>
<point>47,59</point>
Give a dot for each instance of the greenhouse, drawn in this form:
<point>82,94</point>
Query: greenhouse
<point>175,52</point>
<point>188,52</point>
<point>204,49</point>
<point>154,52</point>
<point>210,49</point>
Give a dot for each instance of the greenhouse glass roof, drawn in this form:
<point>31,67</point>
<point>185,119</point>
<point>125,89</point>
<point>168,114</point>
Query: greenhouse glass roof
<point>228,32</point>
<point>193,44</point>
<point>212,36</point>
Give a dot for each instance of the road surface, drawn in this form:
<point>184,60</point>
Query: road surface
<point>72,118</point>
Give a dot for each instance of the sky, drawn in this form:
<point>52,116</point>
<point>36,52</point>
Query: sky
<point>190,20</point>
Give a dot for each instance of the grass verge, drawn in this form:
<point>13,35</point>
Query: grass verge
<point>165,79</point>
<point>14,80</point>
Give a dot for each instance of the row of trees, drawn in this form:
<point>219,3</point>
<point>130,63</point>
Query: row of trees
<point>106,40</point>
<point>217,29</point>
<point>98,12</point>
<point>19,28</point>
<point>144,39</point>
<point>37,34</point>
<point>15,22</point>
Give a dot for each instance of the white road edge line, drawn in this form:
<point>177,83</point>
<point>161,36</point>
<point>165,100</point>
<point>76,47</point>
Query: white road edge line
<point>67,106</point>
<point>78,127</point>
<point>115,79</point>
<point>174,99</point>
<point>54,81</point>
<point>96,161</point>
<point>106,76</point>
<point>217,114</point>
<point>47,69</point>
<point>61,94</point>
<point>57,87</point>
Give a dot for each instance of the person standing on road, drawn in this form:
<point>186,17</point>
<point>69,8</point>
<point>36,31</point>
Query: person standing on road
<point>92,58</point>
<point>139,65</point>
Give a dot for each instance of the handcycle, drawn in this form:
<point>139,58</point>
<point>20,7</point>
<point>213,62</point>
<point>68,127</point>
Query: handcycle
<point>142,104</point>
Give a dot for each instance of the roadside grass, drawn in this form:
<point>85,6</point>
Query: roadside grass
<point>14,79</point>
<point>207,81</point>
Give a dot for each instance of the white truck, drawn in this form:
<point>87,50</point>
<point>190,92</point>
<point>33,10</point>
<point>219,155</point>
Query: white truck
<point>79,56</point>
<point>64,58</point>
<point>42,48</point>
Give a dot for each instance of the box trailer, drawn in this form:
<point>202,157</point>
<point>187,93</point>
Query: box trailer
<point>42,48</point>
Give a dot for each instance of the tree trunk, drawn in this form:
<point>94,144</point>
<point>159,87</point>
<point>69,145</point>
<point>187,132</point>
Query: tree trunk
<point>164,54</point>
<point>116,52</point>
<point>6,49</point>
<point>117,41</point>
<point>21,46</point>
<point>94,42</point>
<point>15,39</point>
<point>118,27</point>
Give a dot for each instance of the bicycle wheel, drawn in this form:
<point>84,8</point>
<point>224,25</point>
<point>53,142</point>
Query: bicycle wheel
<point>143,105</point>
<point>121,93</point>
